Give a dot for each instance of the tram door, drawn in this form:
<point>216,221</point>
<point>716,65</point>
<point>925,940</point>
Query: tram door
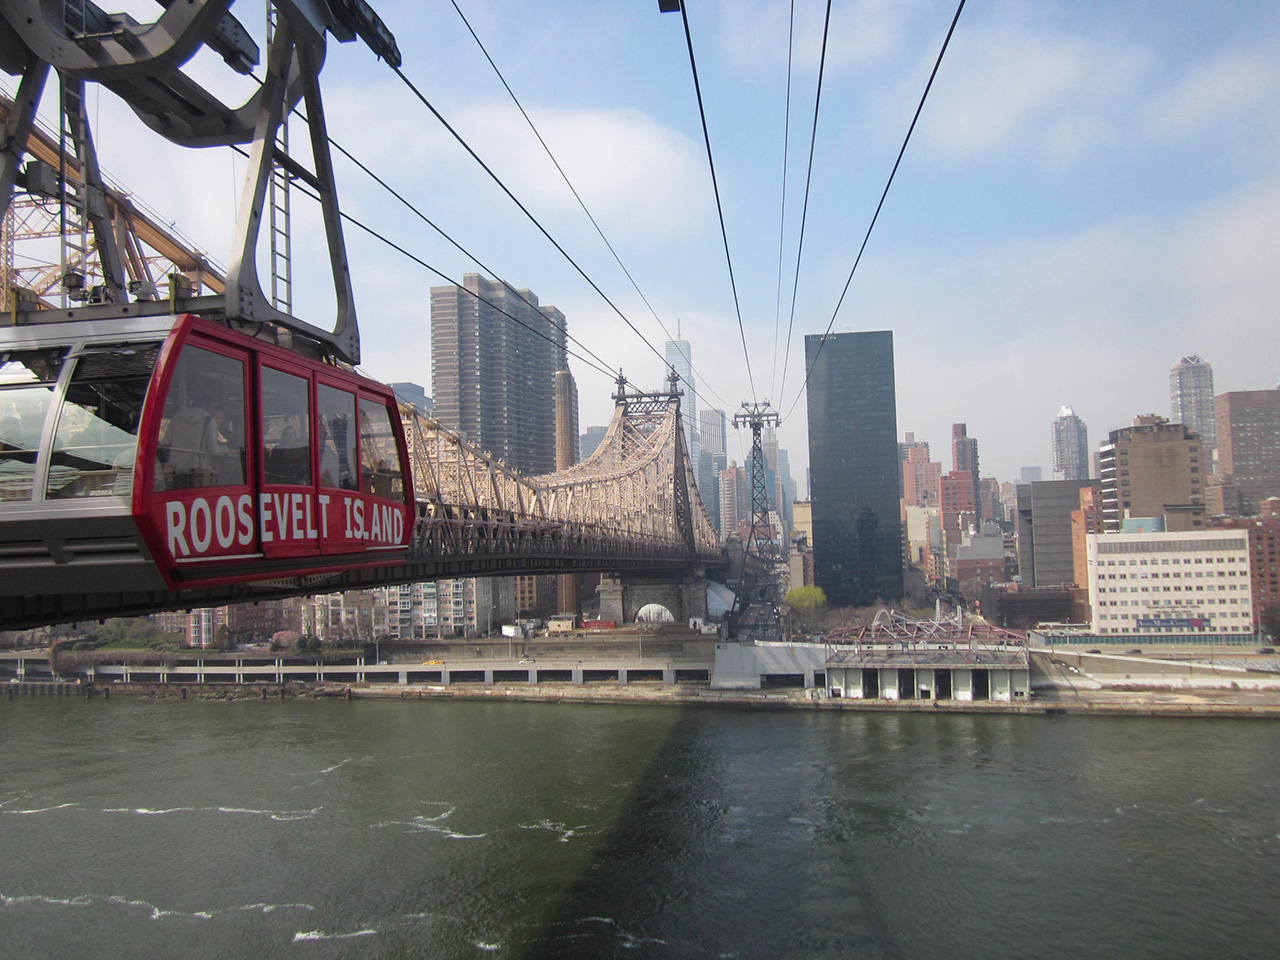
<point>291,518</point>
<point>200,491</point>
<point>359,471</point>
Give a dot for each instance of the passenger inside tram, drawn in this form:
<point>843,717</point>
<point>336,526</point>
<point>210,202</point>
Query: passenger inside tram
<point>286,429</point>
<point>202,434</point>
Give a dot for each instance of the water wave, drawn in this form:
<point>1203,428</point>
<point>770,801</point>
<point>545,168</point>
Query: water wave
<point>303,935</point>
<point>564,831</point>
<point>280,815</point>
<point>156,913</point>
<point>432,824</point>
<point>61,806</point>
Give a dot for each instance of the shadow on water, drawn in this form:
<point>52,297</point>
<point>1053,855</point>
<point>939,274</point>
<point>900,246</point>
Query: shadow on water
<point>707,857</point>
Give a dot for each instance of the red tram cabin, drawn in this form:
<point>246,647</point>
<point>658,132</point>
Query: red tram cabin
<point>171,453</point>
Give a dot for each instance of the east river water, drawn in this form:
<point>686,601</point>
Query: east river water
<point>305,829</point>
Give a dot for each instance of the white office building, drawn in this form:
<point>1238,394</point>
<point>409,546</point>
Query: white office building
<point>1191,583</point>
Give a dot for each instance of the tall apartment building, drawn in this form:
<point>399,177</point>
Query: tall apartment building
<point>713,440</point>
<point>909,443</point>
<point>964,455</point>
<point>1153,469</point>
<point>1070,446</point>
<point>1248,450</point>
<point>1191,400</point>
<point>492,378</point>
<point>920,475</point>
<point>959,511</point>
<point>854,467</point>
<point>1155,584</point>
<point>735,499</point>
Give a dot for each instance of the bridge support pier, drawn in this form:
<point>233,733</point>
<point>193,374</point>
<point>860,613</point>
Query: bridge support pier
<point>622,598</point>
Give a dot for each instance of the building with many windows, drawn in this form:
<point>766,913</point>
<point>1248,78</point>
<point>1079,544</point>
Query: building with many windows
<point>1070,446</point>
<point>920,475</point>
<point>1248,451</point>
<point>854,467</point>
<point>1191,400</point>
<point>493,379</point>
<point>1154,469</point>
<point>1156,584</point>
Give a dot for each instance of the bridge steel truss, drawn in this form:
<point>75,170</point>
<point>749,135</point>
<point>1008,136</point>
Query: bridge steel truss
<point>632,507</point>
<point>633,504</point>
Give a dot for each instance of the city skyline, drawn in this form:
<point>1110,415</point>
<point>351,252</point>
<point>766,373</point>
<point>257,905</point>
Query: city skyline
<point>1066,202</point>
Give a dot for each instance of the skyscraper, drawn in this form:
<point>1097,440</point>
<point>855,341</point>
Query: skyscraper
<point>964,455</point>
<point>854,467</point>
<point>1248,449</point>
<point>680,358</point>
<point>713,431</point>
<point>494,379</point>
<point>1070,446</point>
<point>711,460</point>
<point>1191,399</point>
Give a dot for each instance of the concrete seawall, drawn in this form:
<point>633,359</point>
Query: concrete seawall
<point>1108,703</point>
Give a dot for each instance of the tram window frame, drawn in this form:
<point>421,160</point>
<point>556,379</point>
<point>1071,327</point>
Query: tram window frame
<point>20,442</point>
<point>95,439</point>
<point>336,437</point>
<point>377,440</point>
<point>208,454</point>
<point>286,457</point>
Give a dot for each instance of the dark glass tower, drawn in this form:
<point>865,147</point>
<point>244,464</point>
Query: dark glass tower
<point>853,467</point>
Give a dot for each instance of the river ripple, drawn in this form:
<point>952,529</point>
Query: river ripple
<point>306,829</point>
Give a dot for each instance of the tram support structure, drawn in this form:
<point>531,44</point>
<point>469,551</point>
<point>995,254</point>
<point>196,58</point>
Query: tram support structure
<point>142,63</point>
<point>756,606</point>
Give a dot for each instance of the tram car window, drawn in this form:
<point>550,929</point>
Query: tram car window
<point>379,459</point>
<point>286,427</point>
<point>27,382</point>
<point>202,426</point>
<point>337,437</point>
<point>97,432</point>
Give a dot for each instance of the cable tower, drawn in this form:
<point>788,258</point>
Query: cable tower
<point>756,609</point>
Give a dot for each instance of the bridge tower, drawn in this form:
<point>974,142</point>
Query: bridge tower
<point>756,607</point>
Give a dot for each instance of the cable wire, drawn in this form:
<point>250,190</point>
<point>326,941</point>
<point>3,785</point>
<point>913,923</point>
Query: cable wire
<point>474,259</point>
<point>724,234</point>
<point>568,183</point>
<point>598,365</point>
<point>924,96</point>
<point>440,230</point>
<point>782,217</point>
<point>813,138</point>
<point>525,210</point>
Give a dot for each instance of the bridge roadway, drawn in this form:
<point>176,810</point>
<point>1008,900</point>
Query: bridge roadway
<point>632,508</point>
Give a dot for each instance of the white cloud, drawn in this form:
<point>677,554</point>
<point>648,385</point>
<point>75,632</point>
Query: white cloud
<point>999,88</point>
<point>634,174</point>
<point>1225,88</point>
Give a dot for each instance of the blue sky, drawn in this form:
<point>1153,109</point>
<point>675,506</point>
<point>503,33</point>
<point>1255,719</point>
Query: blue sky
<point>1092,192</point>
